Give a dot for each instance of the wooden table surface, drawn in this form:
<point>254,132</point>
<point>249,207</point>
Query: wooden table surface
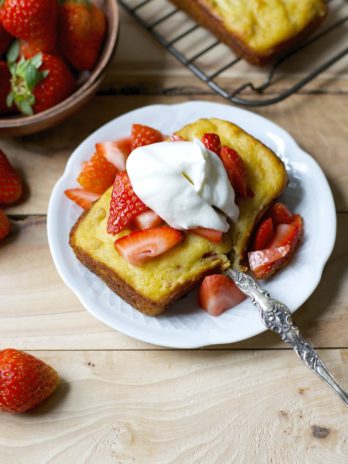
<point>124,401</point>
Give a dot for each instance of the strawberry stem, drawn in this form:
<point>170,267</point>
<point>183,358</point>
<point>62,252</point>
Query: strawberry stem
<point>25,77</point>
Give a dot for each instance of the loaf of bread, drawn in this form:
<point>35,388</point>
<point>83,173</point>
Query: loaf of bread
<point>259,31</point>
<point>153,286</point>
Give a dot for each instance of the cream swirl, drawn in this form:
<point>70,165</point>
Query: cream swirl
<point>184,183</point>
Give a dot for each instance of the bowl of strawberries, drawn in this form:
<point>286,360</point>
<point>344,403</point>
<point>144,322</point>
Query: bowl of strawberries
<point>53,57</point>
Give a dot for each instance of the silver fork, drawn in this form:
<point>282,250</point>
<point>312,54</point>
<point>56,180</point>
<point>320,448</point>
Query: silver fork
<point>277,317</point>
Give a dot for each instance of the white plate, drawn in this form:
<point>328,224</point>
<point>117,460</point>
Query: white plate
<point>184,325</point>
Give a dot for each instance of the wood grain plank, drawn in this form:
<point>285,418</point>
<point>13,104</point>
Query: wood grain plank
<point>37,311</point>
<point>42,157</point>
<point>182,407</point>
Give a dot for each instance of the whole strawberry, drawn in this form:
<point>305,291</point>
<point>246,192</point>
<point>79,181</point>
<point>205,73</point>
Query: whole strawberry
<point>5,87</point>
<point>82,27</point>
<point>5,39</point>
<point>25,381</point>
<point>10,182</point>
<point>5,225</point>
<point>33,20</point>
<point>38,83</point>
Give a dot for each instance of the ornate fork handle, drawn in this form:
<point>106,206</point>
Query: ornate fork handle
<point>277,317</point>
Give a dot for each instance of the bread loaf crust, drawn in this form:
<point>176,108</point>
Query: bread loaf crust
<point>202,14</point>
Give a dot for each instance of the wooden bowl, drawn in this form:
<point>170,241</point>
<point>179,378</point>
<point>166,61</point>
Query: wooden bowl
<point>23,125</point>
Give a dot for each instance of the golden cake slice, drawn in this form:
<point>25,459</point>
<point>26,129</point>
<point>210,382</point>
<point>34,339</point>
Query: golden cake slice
<point>257,30</point>
<point>154,285</point>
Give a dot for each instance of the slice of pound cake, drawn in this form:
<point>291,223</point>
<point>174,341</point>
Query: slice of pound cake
<point>182,211</point>
<point>257,30</point>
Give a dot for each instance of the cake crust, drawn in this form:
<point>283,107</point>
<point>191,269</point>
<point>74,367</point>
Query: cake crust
<point>126,291</point>
<point>199,11</point>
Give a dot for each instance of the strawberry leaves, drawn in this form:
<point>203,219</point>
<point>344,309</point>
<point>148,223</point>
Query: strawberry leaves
<point>26,75</point>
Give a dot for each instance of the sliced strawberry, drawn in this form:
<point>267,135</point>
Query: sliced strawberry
<point>210,234</point>
<point>260,259</point>
<point>176,138</point>
<point>5,225</point>
<point>124,205</point>
<point>140,247</point>
<point>115,152</point>
<point>280,214</point>
<point>218,293</point>
<point>144,135</point>
<point>147,220</point>
<point>82,197</point>
<point>265,263</point>
<point>236,171</point>
<point>287,234</point>
<point>212,142</point>
<point>97,174</point>
<point>263,235</point>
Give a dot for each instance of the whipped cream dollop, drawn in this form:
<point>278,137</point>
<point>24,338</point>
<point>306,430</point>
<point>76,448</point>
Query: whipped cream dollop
<point>184,183</point>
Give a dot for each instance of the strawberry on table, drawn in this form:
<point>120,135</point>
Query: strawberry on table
<point>212,142</point>
<point>116,152</point>
<point>142,246</point>
<point>97,174</point>
<point>5,225</point>
<point>5,39</point>
<point>25,381</point>
<point>218,293</point>
<point>33,20</point>
<point>210,234</point>
<point>236,171</point>
<point>38,83</point>
<point>147,220</point>
<point>82,27</point>
<point>82,197</point>
<point>124,205</point>
<point>10,182</point>
<point>144,135</point>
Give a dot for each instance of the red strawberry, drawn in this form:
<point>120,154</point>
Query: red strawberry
<point>115,152</point>
<point>5,88</point>
<point>5,39</point>
<point>25,381</point>
<point>82,197</point>
<point>82,27</point>
<point>10,182</point>
<point>260,260</point>
<point>263,234</point>
<point>33,20</point>
<point>144,135</point>
<point>5,225</point>
<point>212,142</point>
<point>97,174</point>
<point>29,49</point>
<point>218,293</point>
<point>264,263</point>
<point>124,205</point>
<point>139,247</point>
<point>147,220</point>
<point>210,234</point>
<point>40,82</point>
<point>236,171</point>
<point>280,214</point>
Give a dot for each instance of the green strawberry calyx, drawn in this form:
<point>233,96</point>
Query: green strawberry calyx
<point>25,77</point>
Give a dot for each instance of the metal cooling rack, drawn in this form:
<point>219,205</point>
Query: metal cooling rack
<point>160,17</point>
